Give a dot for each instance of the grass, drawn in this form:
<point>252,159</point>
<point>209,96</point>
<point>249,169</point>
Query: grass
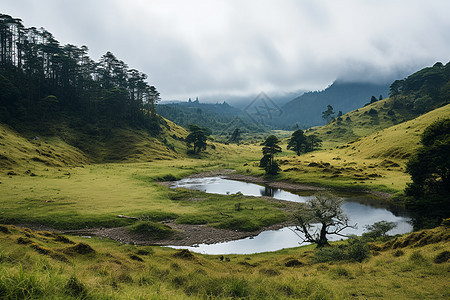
<point>113,270</point>
<point>95,195</point>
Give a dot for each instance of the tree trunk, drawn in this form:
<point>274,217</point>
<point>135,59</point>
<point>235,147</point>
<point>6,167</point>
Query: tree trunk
<point>323,237</point>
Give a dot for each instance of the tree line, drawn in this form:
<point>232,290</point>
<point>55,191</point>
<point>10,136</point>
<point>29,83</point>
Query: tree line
<point>39,76</point>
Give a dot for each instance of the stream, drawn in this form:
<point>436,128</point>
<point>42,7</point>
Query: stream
<point>361,210</point>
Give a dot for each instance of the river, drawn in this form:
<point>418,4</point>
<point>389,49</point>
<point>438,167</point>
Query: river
<point>360,208</point>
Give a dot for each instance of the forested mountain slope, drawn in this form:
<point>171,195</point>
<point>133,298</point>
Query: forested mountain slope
<point>219,118</point>
<point>59,107</point>
<point>411,97</point>
<point>307,109</point>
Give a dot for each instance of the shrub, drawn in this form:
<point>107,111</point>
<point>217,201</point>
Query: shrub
<point>327,254</point>
<point>293,263</point>
<point>446,223</point>
<point>355,249</point>
<point>80,248</point>
<point>184,253</point>
<point>373,111</point>
<point>144,251</point>
<point>358,250</point>
<point>152,229</point>
<point>75,288</point>
<point>168,177</point>
<point>4,229</point>
<point>442,257</point>
<point>379,229</point>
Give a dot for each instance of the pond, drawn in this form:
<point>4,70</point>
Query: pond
<point>361,210</point>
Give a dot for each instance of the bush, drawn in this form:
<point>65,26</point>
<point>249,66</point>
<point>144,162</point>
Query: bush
<point>446,223</point>
<point>358,250</point>
<point>152,229</point>
<point>327,254</point>
<point>293,263</point>
<point>168,177</point>
<point>379,229</point>
<point>75,288</point>
<point>442,257</point>
<point>355,249</point>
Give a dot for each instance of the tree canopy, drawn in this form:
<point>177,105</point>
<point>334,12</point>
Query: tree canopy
<point>319,217</point>
<point>432,81</point>
<point>297,142</point>
<point>301,143</point>
<point>430,174</point>
<point>269,150</point>
<point>35,68</point>
<point>328,114</point>
<point>196,138</point>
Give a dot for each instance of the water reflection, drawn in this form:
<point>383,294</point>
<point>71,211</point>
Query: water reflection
<point>268,191</point>
<point>360,209</point>
<point>222,186</point>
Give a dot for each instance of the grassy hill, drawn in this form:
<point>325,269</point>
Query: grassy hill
<point>364,121</point>
<point>364,153</point>
<point>37,264</point>
<point>22,153</point>
<point>65,146</point>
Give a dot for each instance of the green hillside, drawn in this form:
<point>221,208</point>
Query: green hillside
<point>370,158</point>
<point>419,93</point>
<point>71,267</point>
<point>71,147</point>
<point>18,152</point>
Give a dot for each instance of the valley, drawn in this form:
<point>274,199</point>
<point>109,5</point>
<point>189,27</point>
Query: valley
<point>106,194</point>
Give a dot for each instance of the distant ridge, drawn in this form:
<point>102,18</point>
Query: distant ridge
<point>306,110</point>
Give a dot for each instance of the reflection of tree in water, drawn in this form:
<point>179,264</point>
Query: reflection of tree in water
<point>268,191</point>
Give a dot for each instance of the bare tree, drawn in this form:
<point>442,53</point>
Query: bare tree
<point>319,217</point>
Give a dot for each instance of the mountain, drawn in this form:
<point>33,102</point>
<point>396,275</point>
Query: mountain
<point>424,91</point>
<point>220,118</point>
<point>306,110</point>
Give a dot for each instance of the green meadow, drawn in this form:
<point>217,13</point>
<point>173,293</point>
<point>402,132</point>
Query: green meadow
<point>40,264</point>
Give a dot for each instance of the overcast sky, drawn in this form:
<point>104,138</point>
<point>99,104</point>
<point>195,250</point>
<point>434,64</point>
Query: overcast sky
<point>206,47</point>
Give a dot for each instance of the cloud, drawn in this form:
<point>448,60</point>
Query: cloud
<point>204,47</point>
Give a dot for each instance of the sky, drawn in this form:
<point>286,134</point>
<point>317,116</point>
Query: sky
<point>213,49</point>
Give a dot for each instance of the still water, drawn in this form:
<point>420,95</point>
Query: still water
<point>360,209</point>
